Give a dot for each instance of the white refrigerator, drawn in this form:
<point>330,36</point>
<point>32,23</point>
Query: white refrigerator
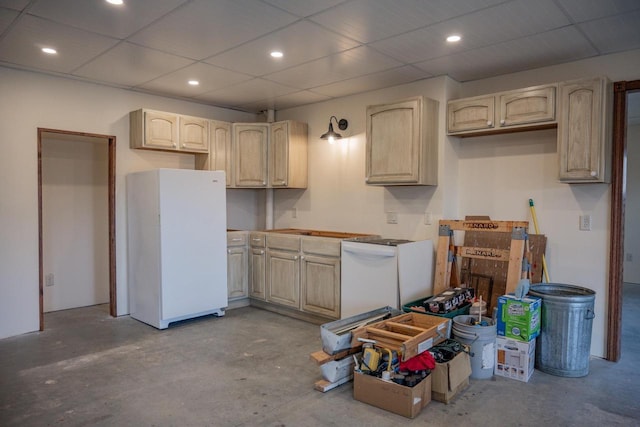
<point>176,234</point>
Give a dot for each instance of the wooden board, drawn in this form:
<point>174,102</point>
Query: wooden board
<point>324,385</point>
<point>483,225</point>
<point>320,357</point>
<point>498,270</point>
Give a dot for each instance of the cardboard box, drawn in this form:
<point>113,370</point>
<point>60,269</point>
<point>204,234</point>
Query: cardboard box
<point>518,319</point>
<point>515,359</point>
<point>399,399</point>
<point>448,379</point>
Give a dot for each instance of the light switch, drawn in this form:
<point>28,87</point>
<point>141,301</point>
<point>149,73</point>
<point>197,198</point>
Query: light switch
<point>585,222</point>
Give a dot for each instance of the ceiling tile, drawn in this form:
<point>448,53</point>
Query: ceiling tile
<point>75,47</point>
<point>203,28</point>
<point>553,47</point>
<point>581,10</point>
<point>14,4</point>
<point>101,17</point>
<point>286,101</point>
<point>396,76</point>
<point>370,20</point>
<point>300,42</point>
<point>492,25</point>
<point>210,78</point>
<point>304,8</point>
<point>130,65</point>
<point>334,68</point>
<point>614,34</point>
<point>246,92</point>
<point>6,18</point>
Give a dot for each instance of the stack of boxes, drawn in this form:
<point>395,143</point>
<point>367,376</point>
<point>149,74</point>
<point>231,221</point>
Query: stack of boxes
<point>518,325</point>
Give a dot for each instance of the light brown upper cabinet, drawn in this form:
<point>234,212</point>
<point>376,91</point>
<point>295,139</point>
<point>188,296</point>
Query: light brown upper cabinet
<point>219,157</point>
<point>157,130</point>
<point>402,143</point>
<point>193,135</point>
<point>515,110</point>
<point>288,155</point>
<point>584,149</point>
<point>471,114</point>
<point>250,148</point>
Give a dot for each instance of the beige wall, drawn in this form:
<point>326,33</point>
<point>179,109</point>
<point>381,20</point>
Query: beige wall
<point>632,208</point>
<point>75,222</point>
<point>492,175</point>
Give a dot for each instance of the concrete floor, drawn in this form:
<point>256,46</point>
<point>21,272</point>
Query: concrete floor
<point>252,368</point>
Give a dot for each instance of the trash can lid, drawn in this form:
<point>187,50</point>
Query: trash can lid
<point>557,290</point>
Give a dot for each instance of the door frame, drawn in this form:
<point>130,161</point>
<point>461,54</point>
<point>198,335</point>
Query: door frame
<point>111,179</point>
<point>618,198</point>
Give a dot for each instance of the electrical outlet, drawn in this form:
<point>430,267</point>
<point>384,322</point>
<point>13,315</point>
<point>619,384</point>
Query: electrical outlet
<point>49,279</point>
<point>294,213</point>
<point>585,222</point>
<point>392,217</point>
<point>428,218</point>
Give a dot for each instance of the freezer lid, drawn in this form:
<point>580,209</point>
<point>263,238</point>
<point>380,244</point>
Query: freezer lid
<point>367,249</point>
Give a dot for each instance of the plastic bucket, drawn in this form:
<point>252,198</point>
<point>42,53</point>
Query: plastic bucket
<point>481,340</point>
<point>564,344</point>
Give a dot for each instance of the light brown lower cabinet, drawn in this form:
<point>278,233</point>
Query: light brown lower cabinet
<point>320,285</point>
<point>299,274</point>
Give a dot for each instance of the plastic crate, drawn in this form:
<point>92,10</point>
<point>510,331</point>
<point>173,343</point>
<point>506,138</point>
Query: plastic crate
<point>458,312</point>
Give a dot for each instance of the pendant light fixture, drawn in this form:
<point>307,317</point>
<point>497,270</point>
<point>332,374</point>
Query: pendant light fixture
<point>332,135</point>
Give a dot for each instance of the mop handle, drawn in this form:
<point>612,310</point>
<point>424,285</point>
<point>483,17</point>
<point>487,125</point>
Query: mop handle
<point>535,225</point>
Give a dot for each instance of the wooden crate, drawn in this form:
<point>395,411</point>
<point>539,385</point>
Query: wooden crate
<point>409,334</point>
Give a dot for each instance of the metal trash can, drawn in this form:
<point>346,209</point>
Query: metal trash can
<point>564,344</point>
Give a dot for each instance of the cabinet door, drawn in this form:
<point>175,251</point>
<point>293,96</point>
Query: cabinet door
<point>521,107</point>
<point>283,278</point>
<point>257,274</point>
<point>279,155</point>
<point>160,130</point>
<point>237,277</point>
<point>320,285</point>
<point>194,134</point>
<point>471,114</point>
<point>221,157</point>
<point>581,131</point>
<point>250,151</point>
<point>393,143</point>
<point>288,155</point>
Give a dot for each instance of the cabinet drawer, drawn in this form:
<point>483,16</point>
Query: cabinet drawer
<point>279,241</point>
<point>320,246</point>
<point>236,239</point>
<point>257,240</point>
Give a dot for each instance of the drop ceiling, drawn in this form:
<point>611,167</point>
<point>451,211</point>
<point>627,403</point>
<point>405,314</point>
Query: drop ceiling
<point>332,48</point>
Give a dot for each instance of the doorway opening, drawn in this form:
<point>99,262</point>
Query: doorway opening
<point>70,162</point>
<point>621,91</point>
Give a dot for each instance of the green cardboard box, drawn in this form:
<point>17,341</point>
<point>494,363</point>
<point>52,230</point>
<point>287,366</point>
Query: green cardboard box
<point>518,319</point>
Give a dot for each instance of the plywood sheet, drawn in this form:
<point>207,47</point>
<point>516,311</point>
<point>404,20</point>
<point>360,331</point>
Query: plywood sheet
<point>495,269</point>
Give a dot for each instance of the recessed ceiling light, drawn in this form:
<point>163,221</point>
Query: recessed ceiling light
<point>454,38</point>
<point>194,82</point>
<point>116,2</point>
<point>276,54</point>
<point>49,50</point>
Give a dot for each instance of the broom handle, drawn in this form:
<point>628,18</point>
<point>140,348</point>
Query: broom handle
<point>535,225</point>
